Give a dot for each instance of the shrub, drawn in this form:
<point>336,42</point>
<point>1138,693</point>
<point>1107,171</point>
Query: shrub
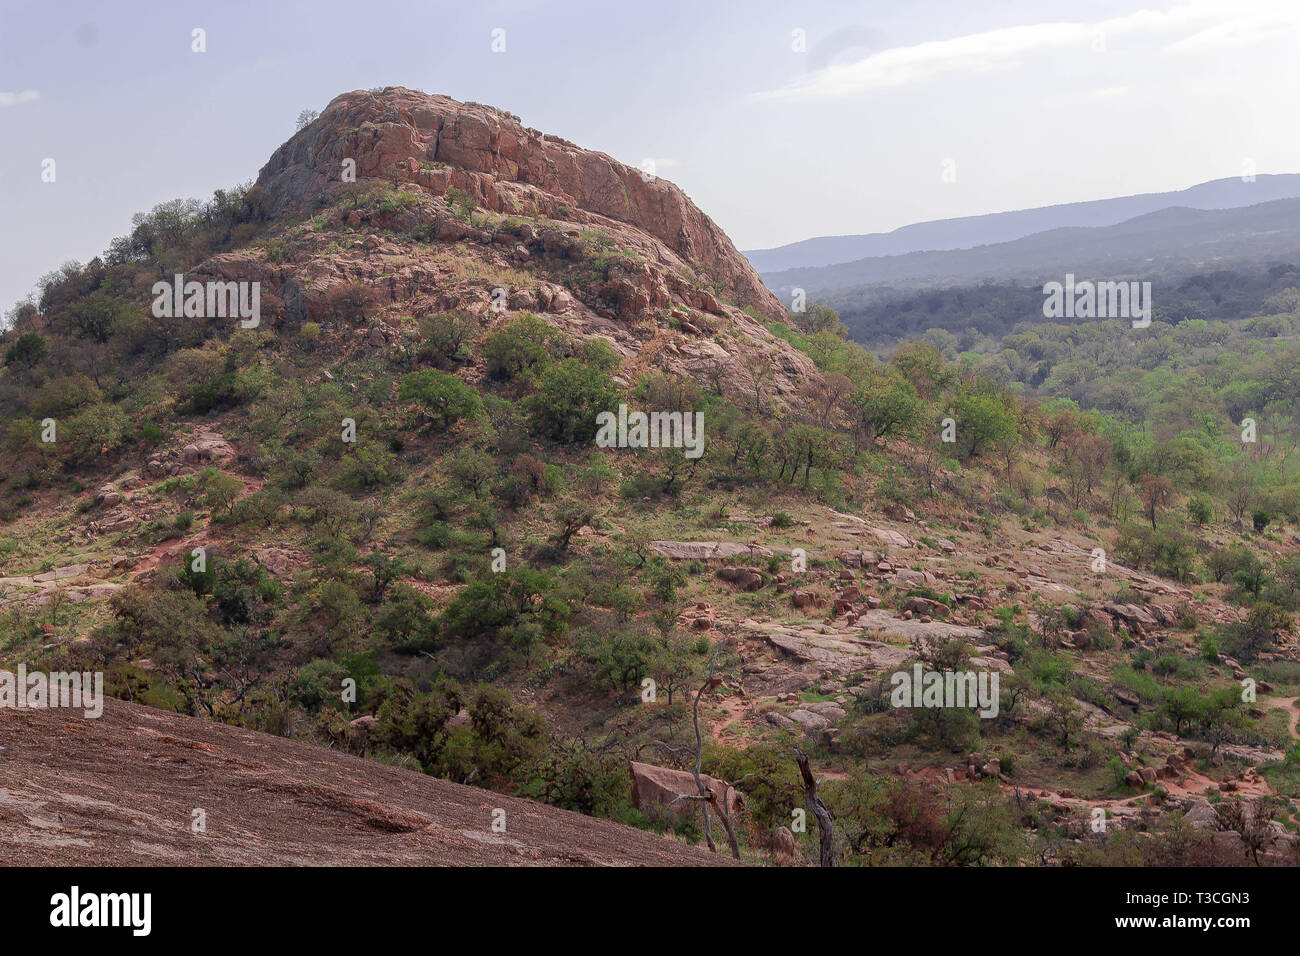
<point>348,303</point>
<point>445,396</point>
<point>518,605</point>
<point>518,350</point>
<point>1198,509</point>
<point>570,395</point>
<point>445,339</point>
<point>217,394</point>
<point>29,350</point>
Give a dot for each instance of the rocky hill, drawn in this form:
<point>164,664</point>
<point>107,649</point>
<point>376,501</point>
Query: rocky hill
<point>474,202</point>
<point>379,520</point>
<point>439,144</point>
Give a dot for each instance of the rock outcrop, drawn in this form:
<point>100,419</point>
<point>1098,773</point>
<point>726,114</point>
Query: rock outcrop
<point>658,787</point>
<point>440,143</point>
<point>122,790</point>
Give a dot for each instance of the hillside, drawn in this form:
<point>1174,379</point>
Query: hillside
<point>121,790</point>
<point>382,517</point>
<point>968,232</point>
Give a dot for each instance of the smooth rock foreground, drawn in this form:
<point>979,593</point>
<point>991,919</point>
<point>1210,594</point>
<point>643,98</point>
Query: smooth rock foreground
<point>123,789</point>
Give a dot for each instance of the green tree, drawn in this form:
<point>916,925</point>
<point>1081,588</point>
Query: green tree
<point>1183,705</point>
<point>984,420</point>
<point>888,405</point>
<point>570,395</point>
<point>29,350</point>
<point>520,349</point>
<point>445,396</point>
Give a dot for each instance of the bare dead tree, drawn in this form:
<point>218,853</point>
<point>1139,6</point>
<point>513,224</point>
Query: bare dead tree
<point>719,801</point>
<point>825,832</point>
<point>1249,822</point>
<point>708,796</point>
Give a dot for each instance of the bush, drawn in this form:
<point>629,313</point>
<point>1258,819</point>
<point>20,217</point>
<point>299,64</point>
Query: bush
<point>347,303</point>
<point>570,395</point>
<point>1245,641</point>
<point>29,350</point>
<point>517,606</point>
<point>1198,509</point>
<point>217,394</point>
<point>445,339</point>
<point>518,350</point>
<point>445,396</point>
<point>244,593</point>
<point>406,620</point>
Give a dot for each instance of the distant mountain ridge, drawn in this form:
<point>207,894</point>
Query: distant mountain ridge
<point>1168,241</point>
<point>970,231</point>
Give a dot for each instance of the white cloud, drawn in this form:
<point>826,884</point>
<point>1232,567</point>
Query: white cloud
<point>1239,32</point>
<point>1209,23</point>
<point>13,99</point>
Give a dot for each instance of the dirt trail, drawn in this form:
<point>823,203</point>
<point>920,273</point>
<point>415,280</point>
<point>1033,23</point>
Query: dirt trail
<point>152,560</point>
<point>735,709</point>
<point>1291,706</point>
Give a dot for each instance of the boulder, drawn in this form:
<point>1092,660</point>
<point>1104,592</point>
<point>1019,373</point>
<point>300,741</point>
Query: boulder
<point>275,560</point>
<point>812,723</point>
<point>907,578</point>
<point>108,496</point>
<point>656,787</point>
<point>924,606</point>
<point>828,709</point>
<point>897,512</point>
<point>746,579</point>
<point>804,599</point>
<point>1132,615</point>
<point>61,574</point>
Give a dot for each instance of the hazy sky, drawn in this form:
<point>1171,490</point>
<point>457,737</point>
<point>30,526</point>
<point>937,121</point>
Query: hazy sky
<point>1029,103</point>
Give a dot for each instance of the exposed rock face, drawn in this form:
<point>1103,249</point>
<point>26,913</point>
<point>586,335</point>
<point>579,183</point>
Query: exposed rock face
<point>453,204</point>
<point>659,786</point>
<point>107,792</point>
<point>490,154</point>
<point>708,550</point>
